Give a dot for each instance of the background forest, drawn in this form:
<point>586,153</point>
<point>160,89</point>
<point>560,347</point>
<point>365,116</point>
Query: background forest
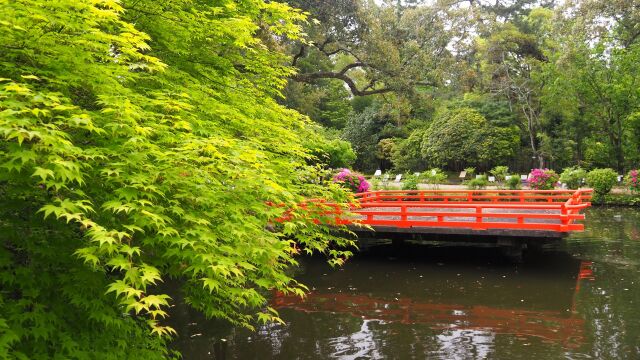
<point>452,84</point>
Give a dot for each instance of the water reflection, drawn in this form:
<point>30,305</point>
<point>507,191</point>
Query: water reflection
<point>356,345</point>
<point>579,300</point>
<point>610,302</point>
<point>423,302</point>
<point>461,343</point>
<point>556,325</point>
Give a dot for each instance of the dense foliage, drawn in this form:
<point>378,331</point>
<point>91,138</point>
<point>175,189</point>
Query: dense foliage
<point>434,177</point>
<point>410,182</point>
<point>479,182</point>
<point>556,82</point>
<point>500,173</point>
<point>140,141</point>
<point>513,182</point>
<point>407,154</point>
<point>573,177</point>
<point>143,140</point>
<point>463,136</point>
<point>334,153</point>
<point>601,181</point>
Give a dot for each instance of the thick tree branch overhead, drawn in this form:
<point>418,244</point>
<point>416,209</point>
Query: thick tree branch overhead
<point>300,54</point>
<point>374,49</point>
<point>311,77</point>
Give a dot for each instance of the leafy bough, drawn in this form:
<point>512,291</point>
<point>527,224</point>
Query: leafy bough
<point>124,165</point>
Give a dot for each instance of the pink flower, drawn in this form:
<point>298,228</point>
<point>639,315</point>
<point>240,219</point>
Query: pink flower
<point>542,179</point>
<point>354,182</point>
<point>632,179</point>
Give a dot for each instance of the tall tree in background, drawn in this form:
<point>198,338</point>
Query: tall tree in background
<point>374,49</point>
<point>602,49</point>
<point>513,60</point>
<point>566,72</point>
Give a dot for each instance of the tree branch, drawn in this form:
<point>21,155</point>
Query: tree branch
<point>342,75</point>
<point>311,77</point>
<point>352,66</point>
<point>300,54</point>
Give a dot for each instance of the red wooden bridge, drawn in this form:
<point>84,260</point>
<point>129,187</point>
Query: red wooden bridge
<point>528,213</point>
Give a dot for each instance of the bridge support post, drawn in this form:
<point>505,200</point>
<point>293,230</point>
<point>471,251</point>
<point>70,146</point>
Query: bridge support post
<point>512,248</point>
<point>397,242</point>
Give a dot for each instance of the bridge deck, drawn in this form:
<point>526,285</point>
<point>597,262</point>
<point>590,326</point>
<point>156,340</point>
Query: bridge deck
<point>548,213</point>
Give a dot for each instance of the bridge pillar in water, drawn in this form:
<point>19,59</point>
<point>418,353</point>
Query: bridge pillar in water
<point>512,248</point>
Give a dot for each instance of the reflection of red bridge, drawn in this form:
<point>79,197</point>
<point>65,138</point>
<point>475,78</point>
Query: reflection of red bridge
<point>561,326</point>
<point>531,213</point>
<point>550,325</point>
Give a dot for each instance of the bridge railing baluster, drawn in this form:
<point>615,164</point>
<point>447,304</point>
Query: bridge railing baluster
<point>479,211</point>
<point>564,217</point>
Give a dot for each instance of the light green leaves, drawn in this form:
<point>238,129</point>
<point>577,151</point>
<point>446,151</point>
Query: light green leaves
<point>44,174</point>
<point>119,171</point>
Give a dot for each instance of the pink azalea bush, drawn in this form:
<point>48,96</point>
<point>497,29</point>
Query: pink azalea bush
<point>543,179</point>
<point>633,181</point>
<point>353,181</point>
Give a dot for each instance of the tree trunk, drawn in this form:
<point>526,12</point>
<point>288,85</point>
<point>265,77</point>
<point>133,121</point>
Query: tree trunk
<point>614,131</point>
<point>619,146</point>
<point>533,135</point>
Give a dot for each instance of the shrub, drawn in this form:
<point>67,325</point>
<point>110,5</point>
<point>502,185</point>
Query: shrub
<point>514,182</point>
<point>385,185</point>
<point>500,173</point>
<point>543,179</point>
<point>632,180</point>
<point>470,171</point>
<point>573,176</point>
<point>335,153</point>
<point>379,184</point>
<point>621,199</point>
<point>433,177</point>
<point>352,181</point>
<point>406,154</point>
<point>601,181</point>
<point>464,136</point>
<point>375,183</point>
<point>410,182</point>
<point>477,183</point>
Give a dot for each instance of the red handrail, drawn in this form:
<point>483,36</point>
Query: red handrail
<point>548,210</point>
<point>532,210</point>
<point>472,195</point>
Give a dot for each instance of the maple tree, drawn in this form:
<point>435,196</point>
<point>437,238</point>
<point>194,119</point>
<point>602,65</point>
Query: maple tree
<point>139,141</point>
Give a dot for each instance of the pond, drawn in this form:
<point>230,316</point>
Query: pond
<point>575,300</point>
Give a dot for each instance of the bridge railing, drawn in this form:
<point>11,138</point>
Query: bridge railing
<point>550,210</point>
<point>473,195</point>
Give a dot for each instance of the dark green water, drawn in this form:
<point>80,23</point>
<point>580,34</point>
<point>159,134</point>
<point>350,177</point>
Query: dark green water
<point>577,300</point>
